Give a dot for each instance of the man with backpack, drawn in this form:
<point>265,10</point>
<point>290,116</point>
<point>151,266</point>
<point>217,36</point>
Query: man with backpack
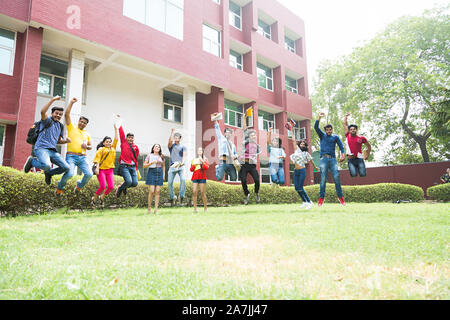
<point>49,131</point>
<point>76,151</point>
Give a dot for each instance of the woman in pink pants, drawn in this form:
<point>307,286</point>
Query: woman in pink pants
<point>104,161</point>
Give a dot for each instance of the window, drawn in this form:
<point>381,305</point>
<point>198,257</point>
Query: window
<point>266,120</point>
<point>289,44</point>
<point>235,15</point>
<point>235,60</point>
<point>164,15</point>
<point>299,132</point>
<point>173,106</point>
<point>216,1</point>
<point>7,51</point>
<point>265,79</point>
<point>264,29</point>
<point>291,84</point>
<point>234,113</point>
<point>52,77</point>
<point>211,40</point>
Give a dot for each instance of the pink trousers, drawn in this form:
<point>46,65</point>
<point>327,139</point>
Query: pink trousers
<point>105,176</point>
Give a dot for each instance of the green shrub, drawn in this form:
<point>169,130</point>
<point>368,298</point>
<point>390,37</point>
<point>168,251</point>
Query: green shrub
<point>22,193</point>
<point>440,192</point>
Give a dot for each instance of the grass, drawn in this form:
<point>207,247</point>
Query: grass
<point>361,251</point>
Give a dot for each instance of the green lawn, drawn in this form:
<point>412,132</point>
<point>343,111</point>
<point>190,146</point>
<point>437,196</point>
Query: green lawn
<point>361,251</point>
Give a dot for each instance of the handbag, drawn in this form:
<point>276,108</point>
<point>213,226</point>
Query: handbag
<point>95,166</point>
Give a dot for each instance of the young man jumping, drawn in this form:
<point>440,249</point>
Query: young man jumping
<point>355,157</point>
<point>328,142</point>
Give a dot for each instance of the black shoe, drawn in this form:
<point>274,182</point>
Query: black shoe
<point>118,192</point>
<point>181,202</point>
<point>27,167</point>
<point>48,178</point>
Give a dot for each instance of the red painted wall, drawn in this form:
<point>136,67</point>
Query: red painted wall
<point>17,9</point>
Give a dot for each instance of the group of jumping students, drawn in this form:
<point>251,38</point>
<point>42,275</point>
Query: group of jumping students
<point>49,132</point>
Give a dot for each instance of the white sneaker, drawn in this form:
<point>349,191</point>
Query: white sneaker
<point>303,205</point>
<point>309,205</point>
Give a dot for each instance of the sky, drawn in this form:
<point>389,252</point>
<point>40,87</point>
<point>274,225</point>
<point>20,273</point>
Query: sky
<point>334,27</point>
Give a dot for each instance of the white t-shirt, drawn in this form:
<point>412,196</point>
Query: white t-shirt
<point>153,157</point>
<point>301,157</point>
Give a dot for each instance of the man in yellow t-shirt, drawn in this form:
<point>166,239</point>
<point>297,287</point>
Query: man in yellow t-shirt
<point>76,151</point>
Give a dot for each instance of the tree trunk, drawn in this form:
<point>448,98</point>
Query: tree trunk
<point>422,142</point>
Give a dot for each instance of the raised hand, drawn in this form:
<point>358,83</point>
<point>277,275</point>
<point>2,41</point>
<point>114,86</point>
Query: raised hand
<point>74,100</point>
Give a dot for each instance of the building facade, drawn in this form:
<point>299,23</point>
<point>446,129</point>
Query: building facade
<point>160,64</point>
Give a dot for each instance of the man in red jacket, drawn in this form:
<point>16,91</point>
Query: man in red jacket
<point>128,162</point>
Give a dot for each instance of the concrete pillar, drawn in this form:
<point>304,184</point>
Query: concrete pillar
<point>189,126</point>
<point>74,86</point>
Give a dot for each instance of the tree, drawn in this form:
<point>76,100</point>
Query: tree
<point>396,84</point>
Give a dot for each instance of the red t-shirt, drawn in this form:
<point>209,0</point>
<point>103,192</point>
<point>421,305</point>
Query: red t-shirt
<point>199,171</point>
<point>126,155</point>
<point>354,144</point>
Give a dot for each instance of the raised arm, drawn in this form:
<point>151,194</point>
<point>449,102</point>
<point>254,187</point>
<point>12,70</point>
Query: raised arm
<point>269,137</point>
<point>320,133</point>
<point>47,106</point>
<point>294,142</point>
<point>169,144</point>
<point>116,136</point>
<point>68,110</point>
<point>346,123</point>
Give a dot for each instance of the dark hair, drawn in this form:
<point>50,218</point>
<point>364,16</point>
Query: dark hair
<point>102,144</point>
<point>160,150</point>
<point>228,129</point>
<point>130,134</point>
<point>84,118</point>
<point>328,126</point>
<point>203,152</point>
<point>57,109</point>
<point>353,125</point>
<point>300,142</point>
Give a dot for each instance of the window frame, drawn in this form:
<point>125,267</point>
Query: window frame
<point>270,123</point>
<point>211,41</point>
<point>288,87</point>
<point>236,65</point>
<point>13,53</point>
<point>265,75</point>
<point>227,115</point>
<point>52,85</point>
<point>288,47</point>
<point>231,13</point>
<point>261,31</point>
<point>173,110</point>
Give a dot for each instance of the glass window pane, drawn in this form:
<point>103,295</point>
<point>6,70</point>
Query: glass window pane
<point>5,61</point>
<point>59,88</point>
<point>168,112</point>
<point>174,21</point>
<point>232,118</point>
<point>234,106</point>
<point>239,120</point>
<point>235,8</point>
<point>269,84</point>
<point>7,38</point>
<point>157,14</point>
<point>173,98</point>
<point>2,132</point>
<point>54,66</point>
<point>226,117</point>
<point>44,84</point>
<point>134,9</point>
<point>177,114</point>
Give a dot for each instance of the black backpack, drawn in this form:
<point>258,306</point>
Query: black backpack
<point>33,132</point>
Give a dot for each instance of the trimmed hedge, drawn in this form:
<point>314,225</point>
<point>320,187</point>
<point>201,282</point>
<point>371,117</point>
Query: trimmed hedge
<point>22,193</point>
<point>440,192</point>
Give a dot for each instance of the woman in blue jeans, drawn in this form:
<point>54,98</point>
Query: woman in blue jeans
<point>301,157</point>
<point>276,159</point>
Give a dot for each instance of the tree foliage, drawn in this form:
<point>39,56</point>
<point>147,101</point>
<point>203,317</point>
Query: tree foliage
<point>396,86</point>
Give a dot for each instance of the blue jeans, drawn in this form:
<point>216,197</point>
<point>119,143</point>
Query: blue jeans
<point>299,180</point>
<point>76,161</point>
<point>171,176</point>
<point>357,166</point>
<point>325,165</point>
<point>129,176</point>
<point>228,169</point>
<point>276,173</point>
<point>45,158</point>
